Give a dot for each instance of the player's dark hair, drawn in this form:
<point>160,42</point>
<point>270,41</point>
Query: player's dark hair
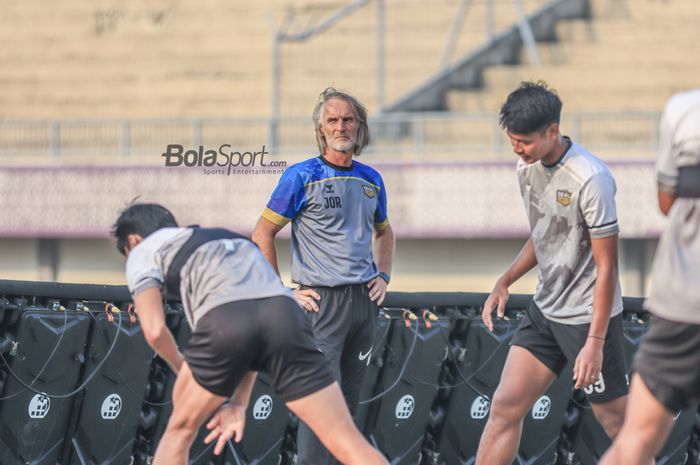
<point>531,107</point>
<point>143,219</point>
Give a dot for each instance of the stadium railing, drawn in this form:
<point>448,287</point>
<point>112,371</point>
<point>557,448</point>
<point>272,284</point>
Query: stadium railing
<point>412,135</point>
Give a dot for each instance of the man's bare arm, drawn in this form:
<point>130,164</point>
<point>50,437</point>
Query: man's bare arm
<point>264,236</point>
<point>666,200</point>
<point>383,254</point>
<point>149,307</point>
<point>589,362</point>
<point>383,248</point>
<point>524,262</point>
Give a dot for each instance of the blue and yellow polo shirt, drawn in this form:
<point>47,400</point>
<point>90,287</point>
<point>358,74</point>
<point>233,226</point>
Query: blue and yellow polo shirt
<point>334,211</point>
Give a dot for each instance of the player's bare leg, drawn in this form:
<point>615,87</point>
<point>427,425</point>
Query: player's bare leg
<point>610,415</point>
<point>523,381</point>
<point>192,405</point>
<point>326,413</point>
<point>646,428</point>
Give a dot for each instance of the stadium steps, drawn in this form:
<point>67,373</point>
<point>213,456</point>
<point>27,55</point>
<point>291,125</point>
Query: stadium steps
<point>623,60</point>
<point>81,59</point>
<point>211,58</point>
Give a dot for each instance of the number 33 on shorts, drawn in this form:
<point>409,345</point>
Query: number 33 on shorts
<point>598,387</point>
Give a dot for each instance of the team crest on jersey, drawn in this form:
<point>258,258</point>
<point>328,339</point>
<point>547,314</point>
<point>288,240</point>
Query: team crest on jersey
<point>564,198</point>
<point>369,191</point>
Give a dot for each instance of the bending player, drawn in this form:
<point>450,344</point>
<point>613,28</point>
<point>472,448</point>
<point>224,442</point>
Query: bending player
<point>243,320</point>
<point>667,364</point>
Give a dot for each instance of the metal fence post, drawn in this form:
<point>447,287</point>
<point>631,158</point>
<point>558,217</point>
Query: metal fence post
<point>419,134</point>
<point>196,133</point>
<point>489,20</point>
<point>55,138</point>
<point>656,122</point>
<point>576,128</point>
<point>526,33</point>
<point>125,144</point>
<point>455,32</point>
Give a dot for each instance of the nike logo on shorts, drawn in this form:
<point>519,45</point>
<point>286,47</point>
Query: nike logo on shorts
<point>365,356</point>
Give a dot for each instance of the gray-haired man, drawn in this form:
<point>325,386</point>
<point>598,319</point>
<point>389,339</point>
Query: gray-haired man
<point>342,246</point>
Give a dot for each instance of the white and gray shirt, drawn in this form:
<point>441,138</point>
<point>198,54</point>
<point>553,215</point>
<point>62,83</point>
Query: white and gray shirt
<point>568,204</point>
<point>675,294</point>
<point>218,272</point>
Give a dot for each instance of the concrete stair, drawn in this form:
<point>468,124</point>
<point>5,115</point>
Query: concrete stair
<point>625,59</point>
<point>80,59</point>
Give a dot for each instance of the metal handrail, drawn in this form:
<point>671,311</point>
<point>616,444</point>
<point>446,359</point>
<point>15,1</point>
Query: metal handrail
<point>414,134</point>
<point>523,23</point>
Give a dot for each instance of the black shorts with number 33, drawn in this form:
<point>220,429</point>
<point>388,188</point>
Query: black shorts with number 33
<point>555,344</point>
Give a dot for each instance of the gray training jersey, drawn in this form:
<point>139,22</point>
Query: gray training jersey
<point>217,273</point>
<point>675,294</point>
<point>568,204</point>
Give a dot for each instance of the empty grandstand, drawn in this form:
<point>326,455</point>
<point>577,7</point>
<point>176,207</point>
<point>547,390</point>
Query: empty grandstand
<point>110,84</point>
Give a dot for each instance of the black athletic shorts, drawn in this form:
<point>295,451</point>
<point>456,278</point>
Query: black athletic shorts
<point>555,344</point>
<point>270,335</point>
<point>668,361</point>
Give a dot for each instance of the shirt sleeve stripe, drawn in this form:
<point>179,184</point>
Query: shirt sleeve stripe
<point>603,225</point>
<point>275,218</point>
<point>381,226</point>
<point>147,283</point>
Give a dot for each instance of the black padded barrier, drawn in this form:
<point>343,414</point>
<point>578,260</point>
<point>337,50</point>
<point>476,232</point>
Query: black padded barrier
<point>44,348</point>
<point>50,342</point>
<point>474,373</point>
<point>110,408</point>
<point>413,358</point>
<point>480,356</point>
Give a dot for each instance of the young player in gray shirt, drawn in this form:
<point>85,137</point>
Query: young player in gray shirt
<point>575,315</point>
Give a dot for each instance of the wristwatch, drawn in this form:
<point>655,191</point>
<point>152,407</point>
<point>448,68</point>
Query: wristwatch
<point>385,276</point>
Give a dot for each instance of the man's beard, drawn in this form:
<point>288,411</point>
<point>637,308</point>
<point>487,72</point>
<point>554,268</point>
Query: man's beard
<point>343,146</point>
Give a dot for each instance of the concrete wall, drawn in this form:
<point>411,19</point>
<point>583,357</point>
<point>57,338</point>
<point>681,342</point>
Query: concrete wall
<point>420,264</point>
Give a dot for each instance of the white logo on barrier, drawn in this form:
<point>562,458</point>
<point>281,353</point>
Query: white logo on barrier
<point>111,407</point>
<point>39,406</point>
<point>541,408</point>
<point>405,406</point>
<point>262,408</point>
<point>480,407</point>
